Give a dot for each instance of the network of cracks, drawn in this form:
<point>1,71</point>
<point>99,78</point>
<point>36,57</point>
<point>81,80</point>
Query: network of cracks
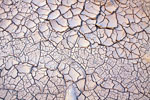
<point>74,49</point>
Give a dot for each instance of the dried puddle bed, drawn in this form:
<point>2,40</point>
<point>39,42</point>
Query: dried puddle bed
<point>74,49</point>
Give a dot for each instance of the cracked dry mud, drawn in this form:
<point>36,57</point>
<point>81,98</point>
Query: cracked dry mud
<point>74,49</point>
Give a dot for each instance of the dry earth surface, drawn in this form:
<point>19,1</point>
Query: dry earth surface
<point>74,49</point>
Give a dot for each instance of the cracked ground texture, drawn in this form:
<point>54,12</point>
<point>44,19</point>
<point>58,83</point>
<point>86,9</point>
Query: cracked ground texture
<point>74,49</point>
